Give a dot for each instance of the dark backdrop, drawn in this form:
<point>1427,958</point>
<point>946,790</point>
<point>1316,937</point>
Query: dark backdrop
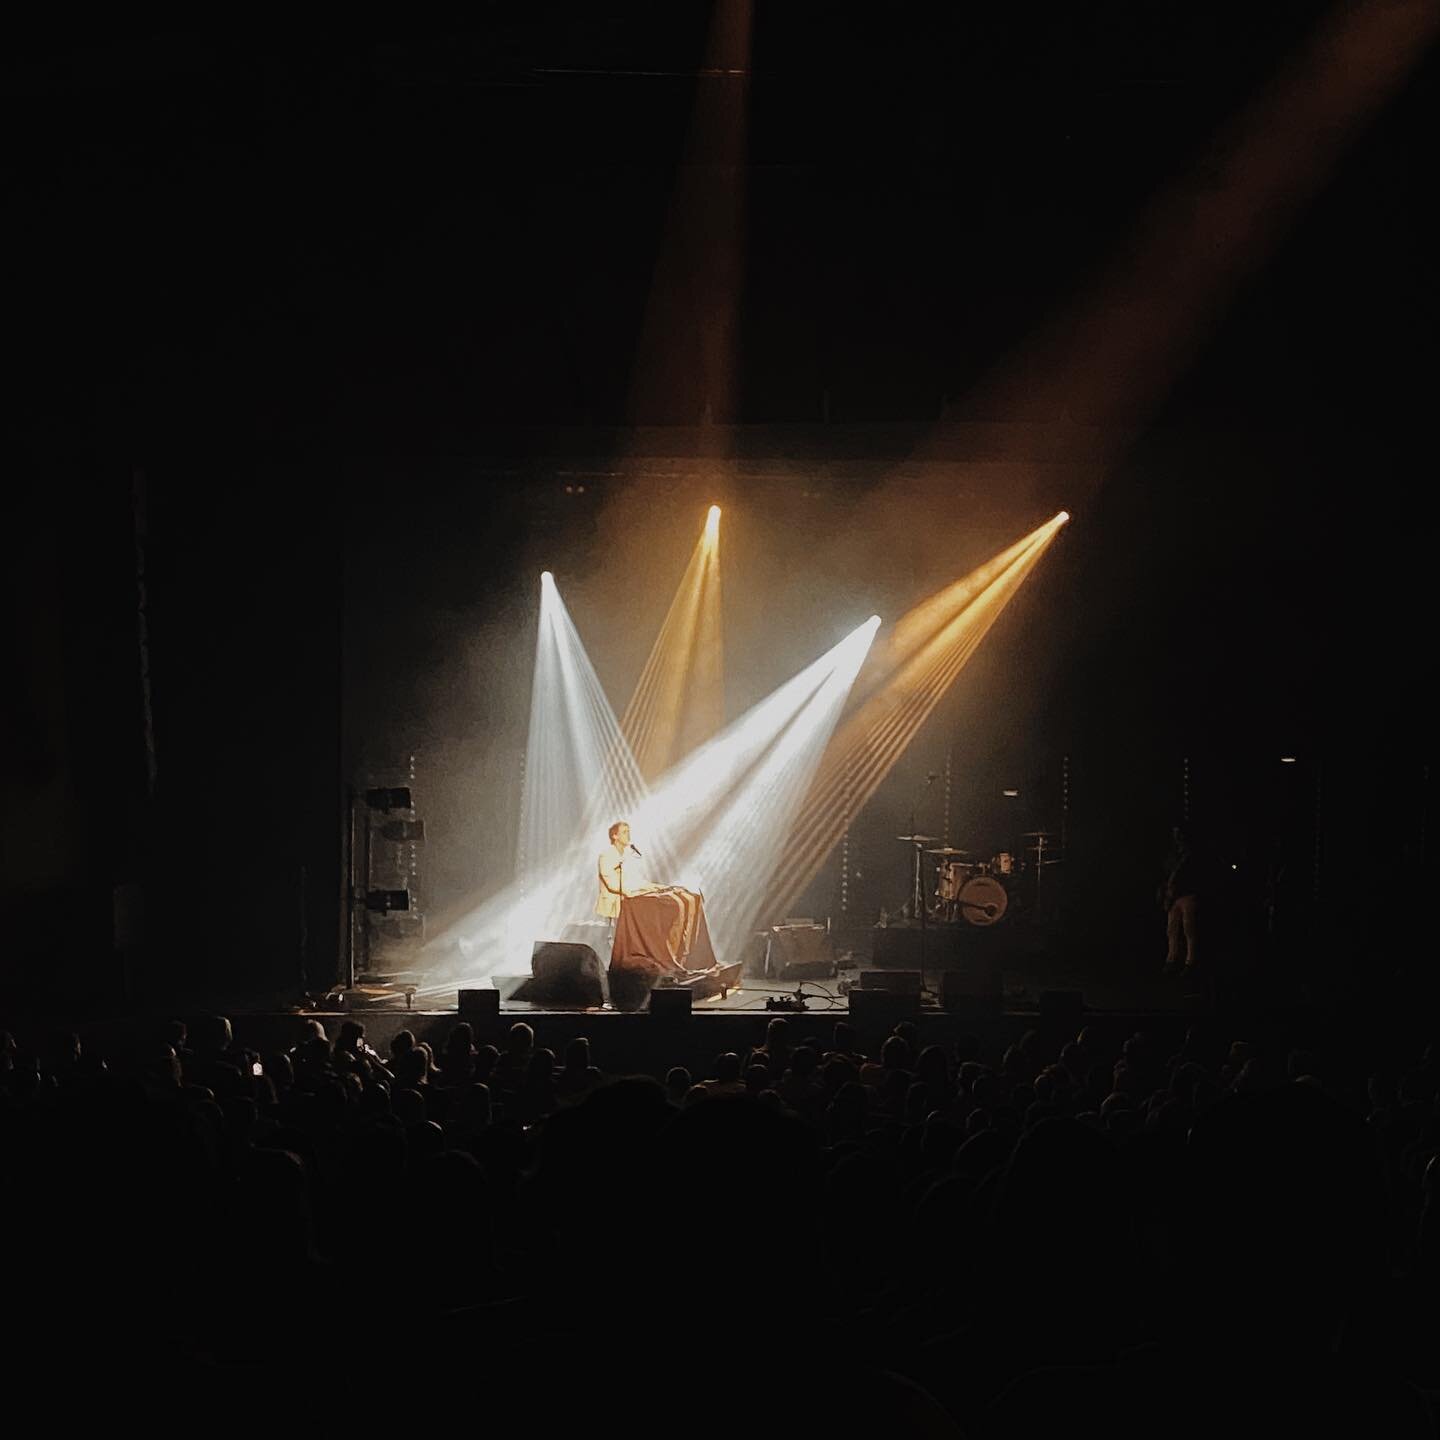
<point>357,308</point>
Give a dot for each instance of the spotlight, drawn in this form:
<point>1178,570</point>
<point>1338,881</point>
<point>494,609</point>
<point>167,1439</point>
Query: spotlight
<point>1287,759</point>
<point>713,518</point>
<point>1010,794</point>
<point>546,578</point>
<point>1063,516</point>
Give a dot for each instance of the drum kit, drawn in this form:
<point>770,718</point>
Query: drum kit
<point>983,891</point>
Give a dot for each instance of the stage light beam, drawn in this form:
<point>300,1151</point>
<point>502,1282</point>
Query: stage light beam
<point>924,654</point>
<point>715,823</point>
<point>679,699</point>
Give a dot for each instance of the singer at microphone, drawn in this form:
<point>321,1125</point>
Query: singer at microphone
<point>657,927</point>
<point>620,872</point>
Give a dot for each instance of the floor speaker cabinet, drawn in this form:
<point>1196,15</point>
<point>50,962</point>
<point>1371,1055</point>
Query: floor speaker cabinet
<point>480,1008</point>
<point>564,975</point>
<point>799,952</point>
<point>875,1013</point>
<point>671,1002</point>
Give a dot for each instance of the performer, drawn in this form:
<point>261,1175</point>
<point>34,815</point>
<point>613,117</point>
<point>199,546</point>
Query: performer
<point>620,872</point>
<point>622,878</point>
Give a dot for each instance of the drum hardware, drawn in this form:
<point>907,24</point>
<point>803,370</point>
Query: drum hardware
<point>919,904</point>
<point>917,888</point>
<point>983,900</point>
<point>979,891</point>
<point>951,876</point>
<point>1041,851</point>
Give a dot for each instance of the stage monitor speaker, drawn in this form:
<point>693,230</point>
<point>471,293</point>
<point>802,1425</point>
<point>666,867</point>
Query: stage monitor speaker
<point>875,1013</point>
<point>899,982</point>
<point>564,975</point>
<point>671,1002</point>
<point>480,1007</point>
<point>799,952</point>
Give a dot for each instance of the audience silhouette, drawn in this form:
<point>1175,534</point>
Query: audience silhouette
<point>1228,1234</point>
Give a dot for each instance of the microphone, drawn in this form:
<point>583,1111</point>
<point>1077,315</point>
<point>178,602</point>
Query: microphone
<point>637,852</point>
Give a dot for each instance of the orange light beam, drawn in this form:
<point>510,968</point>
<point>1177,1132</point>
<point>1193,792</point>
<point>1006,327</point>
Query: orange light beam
<point>679,700</point>
<point>923,659</point>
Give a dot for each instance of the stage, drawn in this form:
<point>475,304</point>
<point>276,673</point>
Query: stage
<point>1020,995</point>
<point>1056,1001</point>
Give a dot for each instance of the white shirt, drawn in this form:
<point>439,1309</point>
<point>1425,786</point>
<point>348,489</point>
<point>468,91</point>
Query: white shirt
<point>614,867</point>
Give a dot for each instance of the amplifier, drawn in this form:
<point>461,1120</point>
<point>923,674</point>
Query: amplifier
<point>799,952</point>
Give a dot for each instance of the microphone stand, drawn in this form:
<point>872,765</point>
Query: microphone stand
<point>918,900</point>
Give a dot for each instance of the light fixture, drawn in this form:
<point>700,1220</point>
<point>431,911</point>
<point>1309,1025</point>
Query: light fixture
<point>1010,794</point>
<point>382,902</point>
<point>1287,759</point>
<point>393,797</point>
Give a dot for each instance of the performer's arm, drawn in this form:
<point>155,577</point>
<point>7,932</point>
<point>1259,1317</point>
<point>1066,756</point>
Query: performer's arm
<point>604,883</point>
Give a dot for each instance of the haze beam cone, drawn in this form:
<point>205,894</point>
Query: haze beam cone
<point>921,659</point>
<point>679,700</point>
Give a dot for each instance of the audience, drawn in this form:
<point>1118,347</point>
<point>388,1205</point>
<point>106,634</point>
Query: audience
<point>1187,1238</point>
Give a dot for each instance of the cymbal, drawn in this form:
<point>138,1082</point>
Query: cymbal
<point>1038,835</point>
<point>947,850</point>
<point>918,839</point>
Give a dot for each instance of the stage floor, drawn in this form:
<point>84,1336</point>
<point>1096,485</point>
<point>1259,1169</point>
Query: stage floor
<point>1021,992</point>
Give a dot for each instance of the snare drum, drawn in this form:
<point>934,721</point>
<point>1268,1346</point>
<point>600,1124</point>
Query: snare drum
<point>949,878</point>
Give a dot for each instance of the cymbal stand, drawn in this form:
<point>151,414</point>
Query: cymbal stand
<point>918,899</point>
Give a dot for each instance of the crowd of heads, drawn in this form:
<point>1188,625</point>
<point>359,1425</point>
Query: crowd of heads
<point>961,1222</point>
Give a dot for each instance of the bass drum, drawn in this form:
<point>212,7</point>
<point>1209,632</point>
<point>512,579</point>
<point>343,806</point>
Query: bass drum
<point>983,900</point>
